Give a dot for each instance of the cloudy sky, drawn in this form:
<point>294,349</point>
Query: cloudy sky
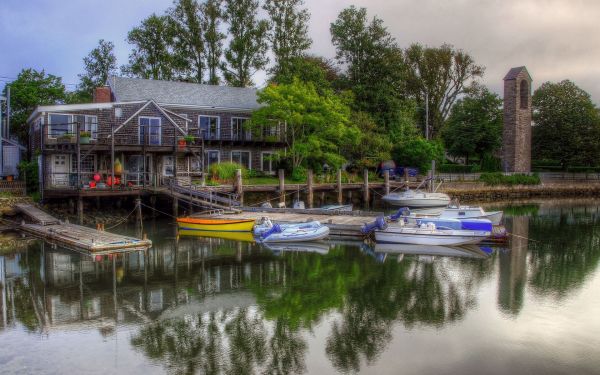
<point>555,39</point>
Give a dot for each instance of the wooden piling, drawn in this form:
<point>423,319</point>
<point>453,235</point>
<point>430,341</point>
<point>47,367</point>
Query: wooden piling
<point>281,174</point>
<point>153,205</point>
<point>239,187</point>
<point>340,191</point>
<point>366,187</point>
<point>138,205</point>
<point>309,188</point>
<point>80,210</point>
<point>386,178</point>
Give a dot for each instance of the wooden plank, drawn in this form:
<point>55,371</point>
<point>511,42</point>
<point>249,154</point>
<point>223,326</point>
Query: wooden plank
<point>36,214</point>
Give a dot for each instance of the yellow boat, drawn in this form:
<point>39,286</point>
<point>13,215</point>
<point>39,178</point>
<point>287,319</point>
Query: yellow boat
<point>215,225</point>
<point>234,236</point>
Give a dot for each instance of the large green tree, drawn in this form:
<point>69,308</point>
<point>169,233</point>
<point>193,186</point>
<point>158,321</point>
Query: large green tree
<point>317,125</point>
<point>99,64</point>
<point>153,56</point>
<point>474,126</point>
<point>316,69</point>
<point>247,50</point>
<point>440,75</point>
<point>372,146</point>
<point>30,89</point>
<point>188,40</point>
<point>212,15</point>
<point>567,125</point>
<point>374,66</point>
<point>289,31</point>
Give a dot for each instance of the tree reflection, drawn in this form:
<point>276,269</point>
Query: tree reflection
<point>287,350</point>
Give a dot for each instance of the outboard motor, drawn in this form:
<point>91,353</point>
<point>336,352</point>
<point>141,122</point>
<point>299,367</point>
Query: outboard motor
<point>379,223</point>
<point>274,229</point>
<point>404,211</point>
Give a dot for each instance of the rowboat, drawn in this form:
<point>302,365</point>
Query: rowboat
<point>215,225</point>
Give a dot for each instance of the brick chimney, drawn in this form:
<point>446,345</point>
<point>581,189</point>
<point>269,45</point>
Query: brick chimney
<point>102,94</point>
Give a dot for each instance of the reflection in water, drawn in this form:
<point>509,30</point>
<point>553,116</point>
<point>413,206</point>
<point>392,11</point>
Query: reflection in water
<point>513,266</point>
<point>210,305</point>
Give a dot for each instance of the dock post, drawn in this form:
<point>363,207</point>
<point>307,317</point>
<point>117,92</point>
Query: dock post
<point>175,206</point>
<point>281,174</point>
<point>153,205</point>
<point>239,187</point>
<point>138,206</point>
<point>386,178</point>
<point>340,192</point>
<point>366,187</point>
<point>309,188</point>
<point>80,210</point>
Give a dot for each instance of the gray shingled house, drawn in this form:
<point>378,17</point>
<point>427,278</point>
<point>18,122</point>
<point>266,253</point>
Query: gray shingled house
<point>140,133</point>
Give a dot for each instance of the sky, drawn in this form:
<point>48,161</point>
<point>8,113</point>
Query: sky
<point>555,39</point>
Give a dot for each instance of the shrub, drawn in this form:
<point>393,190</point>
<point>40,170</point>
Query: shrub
<point>85,134</point>
<point>28,170</point>
<point>226,171</point>
<point>299,174</point>
<point>498,178</point>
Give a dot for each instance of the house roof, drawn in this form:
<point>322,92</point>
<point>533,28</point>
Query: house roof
<point>182,93</point>
<point>514,73</point>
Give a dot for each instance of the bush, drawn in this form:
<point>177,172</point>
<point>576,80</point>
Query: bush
<point>28,170</point>
<point>226,171</point>
<point>490,163</point>
<point>498,178</point>
<point>299,174</point>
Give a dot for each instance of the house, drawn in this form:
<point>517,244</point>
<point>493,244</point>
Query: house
<point>11,151</point>
<point>135,131</point>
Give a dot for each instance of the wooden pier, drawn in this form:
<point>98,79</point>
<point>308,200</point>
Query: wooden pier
<point>75,237</point>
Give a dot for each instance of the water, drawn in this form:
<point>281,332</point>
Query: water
<point>236,307</point>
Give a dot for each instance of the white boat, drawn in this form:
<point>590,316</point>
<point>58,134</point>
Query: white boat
<point>337,207</point>
<point>417,198</point>
<point>428,234</point>
<point>471,212</point>
<point>299,232</point>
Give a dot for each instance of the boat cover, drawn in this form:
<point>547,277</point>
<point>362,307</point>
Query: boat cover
<point>464,224</point>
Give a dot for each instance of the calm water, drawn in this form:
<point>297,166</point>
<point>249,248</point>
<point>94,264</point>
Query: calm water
<point>201,305</point>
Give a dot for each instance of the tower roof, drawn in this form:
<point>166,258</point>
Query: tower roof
<point>514,73</point>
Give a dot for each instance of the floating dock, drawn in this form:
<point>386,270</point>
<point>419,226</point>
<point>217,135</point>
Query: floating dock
<point>76,237</point>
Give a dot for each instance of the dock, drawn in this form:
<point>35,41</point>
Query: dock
<point>75,237</point>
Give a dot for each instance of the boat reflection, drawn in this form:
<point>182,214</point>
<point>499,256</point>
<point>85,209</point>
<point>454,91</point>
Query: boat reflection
<point>233,236</point>
<point>465,251</point>
<point>306,247</point>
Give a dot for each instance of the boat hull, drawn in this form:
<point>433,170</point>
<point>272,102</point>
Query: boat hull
<point>214,225</point>
<point>420,200</point>
<point>297,235</point>
<point>417,236</point>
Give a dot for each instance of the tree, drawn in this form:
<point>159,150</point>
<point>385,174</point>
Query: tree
<point>316,125</point>
<point>375,68</point>
<point>212,14</point>
<point>247,51</point>
<point>316,69</point>
<point>99,64</point>
<point>372,146</point>
<point>474,126</point>
<point>30,89</point>
<point>418,152</point>
<point>289,31</point>
<point>567,125</point>
<point>188,40</point>
<point>440,74</point>
<point>153,56</point>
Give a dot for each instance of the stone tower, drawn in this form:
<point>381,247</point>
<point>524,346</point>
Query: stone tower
<point>516,145</point>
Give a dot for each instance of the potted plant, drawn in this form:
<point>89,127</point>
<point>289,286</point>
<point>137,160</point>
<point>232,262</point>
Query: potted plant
<point>85,137</point>
<point>189,139</point>
<point>67,138</point>
<point>181,142</point>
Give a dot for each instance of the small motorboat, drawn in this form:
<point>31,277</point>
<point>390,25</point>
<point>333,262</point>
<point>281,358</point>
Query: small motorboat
<point>456,212</point>
<point>299,232</point>
<point>417,198</point>
<point>337,207</point>
<point>429,234</point>
<point>215,224</point>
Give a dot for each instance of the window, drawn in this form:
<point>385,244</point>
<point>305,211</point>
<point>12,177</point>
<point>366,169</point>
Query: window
<point>266,161</point>
<point>524,92</point>
<point>239,130</point>
<point>195,164</point>
<point>91,125</point>
<point>211,157</point>
<point>59,125</point>
<point>88,163</point>
<point>270,132</point>
<point>209,127</point>
<point>242,158</point>
<point>168,166</point>
<point>149,130</point>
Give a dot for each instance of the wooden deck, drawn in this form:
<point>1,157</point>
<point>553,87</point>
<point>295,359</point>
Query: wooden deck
<point>75,237</point>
